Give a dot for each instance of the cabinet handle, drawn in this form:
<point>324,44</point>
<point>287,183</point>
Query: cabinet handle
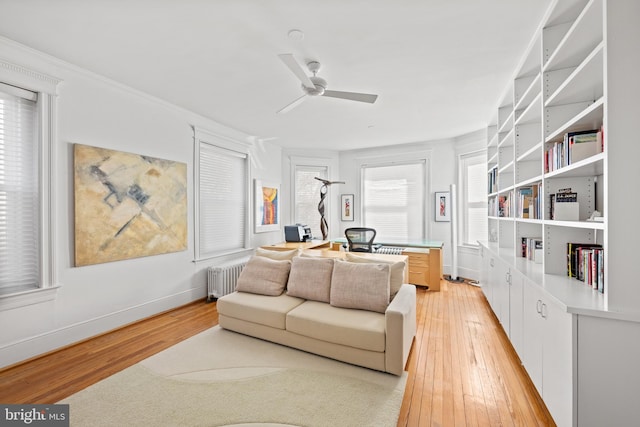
<point>539,306</point>
<point>543,311</point>
<point>491,262</point>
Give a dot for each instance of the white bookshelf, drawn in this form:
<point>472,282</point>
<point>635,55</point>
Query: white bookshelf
<point>579,73</point>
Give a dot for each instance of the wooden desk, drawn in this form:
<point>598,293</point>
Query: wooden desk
<point>425,267</point>
<point>424,259</point>
<point>288,246</point>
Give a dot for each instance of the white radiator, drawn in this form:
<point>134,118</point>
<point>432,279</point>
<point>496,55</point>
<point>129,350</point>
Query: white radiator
<point>222,280</point>
<point>389,250</point>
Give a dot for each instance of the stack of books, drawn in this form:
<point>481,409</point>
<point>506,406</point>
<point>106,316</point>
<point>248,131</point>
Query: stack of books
<point>529,201</point>
<point>585,262</point>
<point>574,147</point>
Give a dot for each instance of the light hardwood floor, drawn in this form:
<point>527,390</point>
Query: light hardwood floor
<point>462,370</point>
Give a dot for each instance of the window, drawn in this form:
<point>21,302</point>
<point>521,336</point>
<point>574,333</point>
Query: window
<point>393,200</point>
<point>473,196</point>
<point>222,202</point>
<point>27,183</point>
<point>307,196</point>
<point>19,190</point>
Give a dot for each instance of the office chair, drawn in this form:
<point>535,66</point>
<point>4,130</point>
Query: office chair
<point>360,239</point>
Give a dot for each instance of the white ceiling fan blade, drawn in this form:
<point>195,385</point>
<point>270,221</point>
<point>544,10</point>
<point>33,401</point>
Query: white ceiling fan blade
<point>353,96</point>
<point>293,65</point>
<point>292,105</point>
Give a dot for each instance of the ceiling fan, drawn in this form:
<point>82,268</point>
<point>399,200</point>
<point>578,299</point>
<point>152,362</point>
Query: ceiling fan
<point>317,86</point>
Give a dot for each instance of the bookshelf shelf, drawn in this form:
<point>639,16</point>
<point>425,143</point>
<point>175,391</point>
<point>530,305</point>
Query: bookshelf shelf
<point>584,83</point>
<point>581,38</point>
<point>573,117</point>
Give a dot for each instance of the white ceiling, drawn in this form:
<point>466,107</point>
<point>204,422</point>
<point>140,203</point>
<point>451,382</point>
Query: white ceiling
<point>438,66</point>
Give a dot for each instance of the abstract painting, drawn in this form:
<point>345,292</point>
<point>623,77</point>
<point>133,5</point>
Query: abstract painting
<point>267,200</point>
<point>442,206</point>
<point>127,205</point>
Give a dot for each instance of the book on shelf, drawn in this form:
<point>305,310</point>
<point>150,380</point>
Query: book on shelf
<point>564,205</point>
<point>585,262</point>
<point>529,201</point>
<point>532,248</point>
<point>492,180</point>
<point>574,147</point>
<point>504,205</point>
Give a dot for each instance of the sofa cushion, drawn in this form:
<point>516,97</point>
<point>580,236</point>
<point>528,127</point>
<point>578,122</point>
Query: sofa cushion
<point>275,254</point>
<point>262,309</point>
<point>360,286</point>
<point>397,270</point>
<point>354,328</point>
<point>310,278</point>
<point>264,276</point>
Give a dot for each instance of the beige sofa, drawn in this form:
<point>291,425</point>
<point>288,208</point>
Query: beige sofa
<point>347,320</point>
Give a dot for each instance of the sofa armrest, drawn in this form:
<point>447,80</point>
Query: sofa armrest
<point>400,318</point>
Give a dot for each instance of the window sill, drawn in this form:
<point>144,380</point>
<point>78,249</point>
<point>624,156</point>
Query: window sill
<point>15,298</point>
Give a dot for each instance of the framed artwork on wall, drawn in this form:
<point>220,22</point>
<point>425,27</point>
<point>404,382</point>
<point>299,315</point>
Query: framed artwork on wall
<point>442,206</point>
<point>347,207</point>
<point>267,211</point>
<point>127,205</point>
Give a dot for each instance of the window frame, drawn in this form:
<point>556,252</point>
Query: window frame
<point>207,137</point>
<point>463,209</point>
<point>422,157</point>
<point>46,88</point>
<point>311,163</point>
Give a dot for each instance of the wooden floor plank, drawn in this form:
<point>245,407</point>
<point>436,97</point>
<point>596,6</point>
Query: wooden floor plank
<point>462,370</point>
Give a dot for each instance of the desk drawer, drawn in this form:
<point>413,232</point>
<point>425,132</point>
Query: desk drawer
<point>418,260</point>
<point>418,275</point>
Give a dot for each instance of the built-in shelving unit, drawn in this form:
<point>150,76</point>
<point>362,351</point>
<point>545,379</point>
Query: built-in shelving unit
<point>565,84</point>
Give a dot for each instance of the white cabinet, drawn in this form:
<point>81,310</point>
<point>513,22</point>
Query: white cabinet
<point>548,352</point>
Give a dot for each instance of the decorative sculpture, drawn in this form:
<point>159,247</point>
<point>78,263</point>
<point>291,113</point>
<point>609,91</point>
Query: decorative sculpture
<point>324,227</point>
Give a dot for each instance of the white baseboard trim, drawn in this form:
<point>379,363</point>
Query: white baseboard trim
<point>51,340</point>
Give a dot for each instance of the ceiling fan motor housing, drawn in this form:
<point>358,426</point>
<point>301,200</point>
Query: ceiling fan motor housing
<point>320,86</point>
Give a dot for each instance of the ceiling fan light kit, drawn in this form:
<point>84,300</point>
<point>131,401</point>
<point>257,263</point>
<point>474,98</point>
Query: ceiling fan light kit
<point>317,86</point>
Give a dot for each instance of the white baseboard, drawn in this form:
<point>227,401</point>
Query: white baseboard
<point>33,346</point>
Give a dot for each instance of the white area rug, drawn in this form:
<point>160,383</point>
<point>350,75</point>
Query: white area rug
<point>220,378</point>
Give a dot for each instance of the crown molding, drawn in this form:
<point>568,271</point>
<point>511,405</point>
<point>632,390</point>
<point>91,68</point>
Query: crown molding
<point>26,77</point>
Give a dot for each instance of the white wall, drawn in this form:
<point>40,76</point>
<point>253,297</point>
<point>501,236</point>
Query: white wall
<point>96,111</point>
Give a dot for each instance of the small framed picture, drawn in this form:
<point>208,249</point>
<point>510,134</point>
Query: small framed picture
<point>347,207</point>
<point>267,202</point>
<point>442,206</point>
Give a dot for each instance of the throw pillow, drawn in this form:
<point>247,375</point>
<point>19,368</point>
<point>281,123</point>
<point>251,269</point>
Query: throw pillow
<point>264,276</point>
<point>275,254</point>
<point>310,278</point>
<point>361,286</point>
<point>397,271</point>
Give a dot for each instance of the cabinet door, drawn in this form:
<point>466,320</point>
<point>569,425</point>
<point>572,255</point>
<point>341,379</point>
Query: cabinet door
<point>557,362</point>
<point>488,262</point>
<point>501,293</point>
<point>533,332</point>
<point>516,316</point>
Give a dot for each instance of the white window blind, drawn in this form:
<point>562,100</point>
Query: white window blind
<point>393,200</point>
<point>307,196</point>
<point>473,168</point>
<point>19,189</point>
<point>222,200</point>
